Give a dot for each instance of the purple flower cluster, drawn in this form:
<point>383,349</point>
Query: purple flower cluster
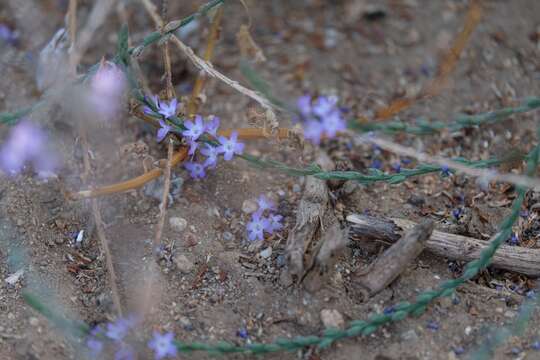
<point>227,146</point>
<point>321,117</point>
<point>193,134</point>
<point>260,223</point>
<point>115,333</point>
<point>106,90</point>
<point>27,143</point>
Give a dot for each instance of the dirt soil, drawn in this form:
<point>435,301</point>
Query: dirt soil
<point>212,282</point>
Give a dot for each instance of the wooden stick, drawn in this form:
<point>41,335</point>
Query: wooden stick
<point>519,259</point>
<point>387,267</point>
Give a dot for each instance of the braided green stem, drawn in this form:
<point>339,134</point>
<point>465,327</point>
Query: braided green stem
<point>424,127</point>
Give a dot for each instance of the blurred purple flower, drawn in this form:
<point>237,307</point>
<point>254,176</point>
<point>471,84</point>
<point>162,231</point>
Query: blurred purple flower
<point>169,109</point>
<point>313,131</point>
<point>265,203</point>
<point>304,105</point>
<point>8,35</point>
<point>274,223</point>
<point>256,227</point>
<point>333,123</point>
<point>325,106</point>
<point>193,145</point>
<point>96,346</point>
<point>212,125</point>
<point>107,88</point>
<point>376,164</point>
<point>323,117</point>
<point>155,101</point>
<point>211,153</point>
<point>194,129</point>
<point>118,330</point>
<point>124,352</point>
<point>163,345</point>
<point>27,143</point>
<point>230,146</point>
<point>242,333</point>
<point>445,170</point>
<point>196,170</point>
<point>163,130</point>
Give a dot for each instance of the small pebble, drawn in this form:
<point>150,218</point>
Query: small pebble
<point>332,318</point>
<point>409,335</point>
<point>249,206</point>
<point>178,224</point>
<point>227,236</point>
<point>183,264</point>
<point>266,253</point>
<point>34,321</point>
<point>296,188</point>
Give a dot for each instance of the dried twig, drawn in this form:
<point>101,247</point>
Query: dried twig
<point>365,229</point>
<point>387,267</point>
<point>74,60</point>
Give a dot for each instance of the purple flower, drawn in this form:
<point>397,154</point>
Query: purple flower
<point>118,330</point>
<point>27,143</point>
<point>163,345</point>
<point>256,227</point>
<point>265,204</point>
<point>124,352</point>
<point>193,145</point>
<point>194,129</point>
<point>514,240</point>
<point>8,35</point>
<point>211,152</point>
<point>196,170</point>
<point>304,105</point>
<point>95,346</point>
<point>107,88</point>
<point>155,101</point>
<point>274,223</point>
<point>163,130</point>
<point>231,146</point>
<point>212,125</point>
<point>325,106</point>
<point>242,333</point>
<point>445,170</point>
<point>376,164</point>
<point>456,213</point>
<point>313,130</point>
<point>169,109</point>
<point>333,123</point>
<point>397,167</point>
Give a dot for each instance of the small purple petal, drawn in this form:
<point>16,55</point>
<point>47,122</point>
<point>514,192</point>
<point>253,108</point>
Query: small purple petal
<point>163,131</point>
<point>196,170</point>
<point>313,131</point>
<point>274,223</point>
<point>229,147</point>
<point>212,125</point>
<point>163,345</point>
<point>265,203</point>
<point>256,227</point>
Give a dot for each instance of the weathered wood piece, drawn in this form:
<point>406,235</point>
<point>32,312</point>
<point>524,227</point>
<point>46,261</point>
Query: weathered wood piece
<point>519,259</point>
<point>387,267</point>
